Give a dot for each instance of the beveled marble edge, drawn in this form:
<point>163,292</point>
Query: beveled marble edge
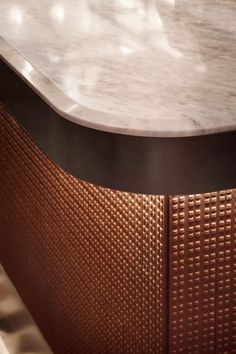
<point>50,93</point>
<point>69,109</point>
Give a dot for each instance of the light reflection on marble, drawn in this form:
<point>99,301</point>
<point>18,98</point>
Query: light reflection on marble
<point>141,67</point>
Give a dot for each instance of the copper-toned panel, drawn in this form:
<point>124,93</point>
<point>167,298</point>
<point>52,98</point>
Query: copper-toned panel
<point>89,262</point>
<point>202,273</point>
<point>226,274</point>
<point>103,272</point>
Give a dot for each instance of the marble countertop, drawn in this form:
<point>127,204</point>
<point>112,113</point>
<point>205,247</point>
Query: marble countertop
<point>140,67</point>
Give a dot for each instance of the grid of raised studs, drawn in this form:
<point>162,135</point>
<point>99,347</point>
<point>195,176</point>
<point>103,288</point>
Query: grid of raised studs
<point>202,273</point>
<point>88,261</point>
<point>94,259</point>
<point>226,274</point>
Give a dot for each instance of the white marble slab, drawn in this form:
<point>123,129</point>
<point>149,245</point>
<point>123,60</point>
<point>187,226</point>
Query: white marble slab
<point>139,67</point>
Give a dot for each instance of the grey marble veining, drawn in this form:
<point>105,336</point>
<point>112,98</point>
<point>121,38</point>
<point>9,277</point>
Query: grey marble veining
<point>139,67</point>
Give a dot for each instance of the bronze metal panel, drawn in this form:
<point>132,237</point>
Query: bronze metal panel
<point>87,261</point>
<point>104,271</point>
<point>202,273</point>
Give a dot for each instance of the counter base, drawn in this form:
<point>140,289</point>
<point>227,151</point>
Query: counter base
<point>104,271</point>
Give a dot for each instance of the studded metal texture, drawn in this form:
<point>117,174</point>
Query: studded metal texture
<point>202,273</point>
<point>104,271</point>
<point>88,262</point>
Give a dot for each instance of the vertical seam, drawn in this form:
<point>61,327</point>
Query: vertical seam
<point>167,271</point>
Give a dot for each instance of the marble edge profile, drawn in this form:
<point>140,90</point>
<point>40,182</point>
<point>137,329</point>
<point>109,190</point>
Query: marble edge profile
<point>69,109</point>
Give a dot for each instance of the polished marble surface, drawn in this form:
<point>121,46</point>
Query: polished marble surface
<point>139,67</point>
<point>18,332</point>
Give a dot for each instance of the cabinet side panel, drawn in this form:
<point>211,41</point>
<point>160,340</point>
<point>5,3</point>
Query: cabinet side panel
<point>89,262</point>
<point>202,273</point>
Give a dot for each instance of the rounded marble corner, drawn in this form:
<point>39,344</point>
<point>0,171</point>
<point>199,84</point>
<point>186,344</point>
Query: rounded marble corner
<point>163,165</point>
<point>72,111</point>
<point>135,164</point>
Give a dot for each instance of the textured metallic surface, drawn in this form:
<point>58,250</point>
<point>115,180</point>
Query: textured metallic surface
<point>104,271</point>
<point>202,273</point>
<point>88,261</point>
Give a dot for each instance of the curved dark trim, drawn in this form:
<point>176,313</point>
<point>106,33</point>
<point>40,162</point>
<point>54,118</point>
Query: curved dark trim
<point>148,165</point>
